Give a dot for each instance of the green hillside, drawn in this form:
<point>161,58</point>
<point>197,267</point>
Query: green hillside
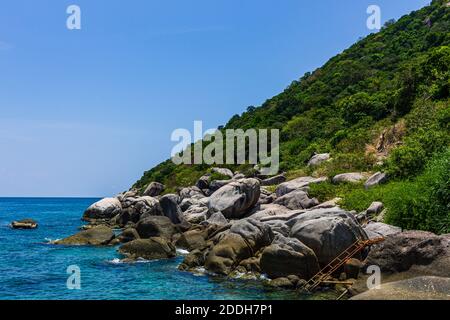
<point>381,105</point>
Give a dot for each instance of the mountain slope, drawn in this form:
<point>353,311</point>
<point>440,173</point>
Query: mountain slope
<point>382,104</point>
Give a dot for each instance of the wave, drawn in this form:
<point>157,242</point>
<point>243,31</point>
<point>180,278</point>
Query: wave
<point>182,252</point>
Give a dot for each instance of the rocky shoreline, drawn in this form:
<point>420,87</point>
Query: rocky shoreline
<point>240,228</point>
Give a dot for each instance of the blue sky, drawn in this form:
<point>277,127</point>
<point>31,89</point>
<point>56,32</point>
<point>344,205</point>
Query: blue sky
<point>85,112</point>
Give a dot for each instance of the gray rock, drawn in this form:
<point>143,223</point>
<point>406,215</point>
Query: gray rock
<point>288,256</point>
<point>378,229</point>
<point>218,219</point>
<point>269,210</point>
<point>217,184</point>
<point>328,232</point>
<point>170,208</point>
<point>128,235</point>
<point>96,236</point>
<point>155,226</point>
<point>144,207</point>
<point>190,192</point>
<point>318,159</point>
<point>375,208</point>
<point>196,213</point>
<point>352,177</point>
<point>257,234</point>
<point>149,249</point>
<point>223,171</point>
<point>273,180</point>
<point>203,182</point>
<point>154,189</point>
<point>103,209</point>
<point>297,184</point>
<point>24,224</point>
<point>419,288</point>
<point>376,179</point>
<point>236,198</point>
<point>296,200</point>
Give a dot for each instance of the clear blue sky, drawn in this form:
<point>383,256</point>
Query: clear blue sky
<point>85,112</point>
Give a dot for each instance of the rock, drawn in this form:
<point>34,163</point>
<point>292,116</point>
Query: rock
<point>24,224</point>
<point>378,229</point>
<point>283,283</point>
<point>154,189</point>
<point>128,235</point>
<point>143,207</point>
<point>238,176</point>
<point>296,200</point>
<point>352,268</point>
<point>196,214</point>
<point>255,233</point>
<point>352,177</point>
<point>376,179</point>
<point>328,232</point>
<point>227,254</point>
<point>418,288</point>
<point>218,219</point>
<point>217,184</point>
<point>97,236</point>
<point>236,198</point>
<point>203,182</point>
<point>375,208</point>
<point>194,259</point>
<point>155,226</point>
<point>297,184</point>
<point>425,252</point>
<point>170,208</point>
<point>251,264</point>
<point>223,171</point>
<point>190,192</point>
<point>192,239</point>
<point>318,159</point>
<point>273,180</point>
<point>288,256</point>
<point>103,209</point>
<point>149,249</point>
<point>269,210</point>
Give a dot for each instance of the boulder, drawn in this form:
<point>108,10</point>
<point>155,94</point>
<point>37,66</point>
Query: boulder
<point>128,235</point>
<point>352,268</point>
<point>301,183</point>
<point>418,288</point>
<point>288,256</point>
<point>376,179</point>
<point>196,214</point>
<point>192,239</point>
<point>203,182</point>
<point>328,232</point>
<point>144,207</point>
<point>269,210</point>
<point>190,192</point>
<point>217,184</point>
<point>155,226</point>
<point>24,224</point>
<point>218,219</point>
<point>236,198</point>
<point>424,252</point>
<point>194,259</point>
<point>272,181</point>
<point>379,229</point>
<point>352,177</point>
<point>255,233</point>
<point>96,236</point>
<point>103,209</point>
<point>318,159</point>
<point>149,249</point>
<point>223,171</point>
<point>296,200</point>
<point>375,208</point>
<point>154,189</point>
<point>170,208</point>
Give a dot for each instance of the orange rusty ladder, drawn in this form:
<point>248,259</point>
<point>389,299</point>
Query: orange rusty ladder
<point>338,262</point>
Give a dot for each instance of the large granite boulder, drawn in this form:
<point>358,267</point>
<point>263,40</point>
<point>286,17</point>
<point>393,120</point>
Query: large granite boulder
<point>103,209</point>
<point>143,207</point>
<point>154,189</point>
<point>96,236</point>
<point>272,181</point>
<point>379,229</point>
<point>170,208</point>
<point>191,240</point>
<point>288,256</point>
<point>296,200</point>
<point>301,183</point>
<point>418,288</point>
<point>149,249</point>
<point>318,159</point>
<point>155,226</point>
<point>256,233</point>
<point>236,198</point>
<point>328,232</point>
<point>190,192</point>
<point>223,171</point>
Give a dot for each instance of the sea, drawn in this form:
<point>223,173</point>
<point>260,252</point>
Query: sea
<point>32,268</point>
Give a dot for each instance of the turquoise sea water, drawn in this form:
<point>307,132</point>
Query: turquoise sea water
<point>31,268</point>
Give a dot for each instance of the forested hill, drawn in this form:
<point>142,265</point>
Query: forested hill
<point>381,105</point>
